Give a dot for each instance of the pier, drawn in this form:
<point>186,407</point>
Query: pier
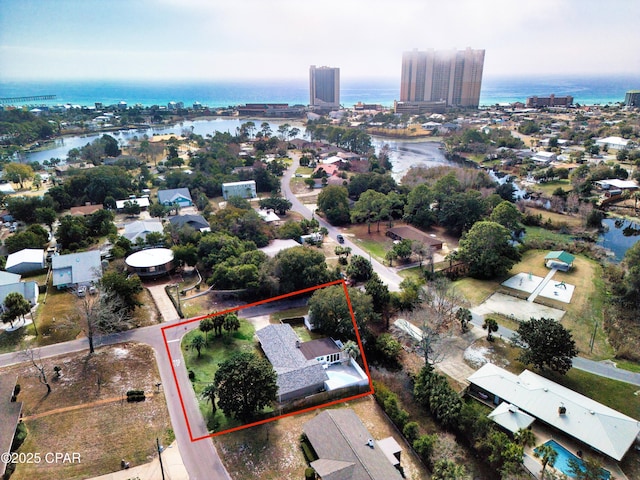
<point>22,100</point>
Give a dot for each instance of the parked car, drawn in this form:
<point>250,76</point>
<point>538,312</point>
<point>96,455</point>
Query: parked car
<point>82,291</point>
<point>93,290</point>
<point>340,239</point>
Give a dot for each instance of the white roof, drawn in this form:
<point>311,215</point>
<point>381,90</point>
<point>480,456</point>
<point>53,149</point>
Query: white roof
<point>597,425</point>
<point>27,255</point>
<point>233,184</point>
<point>332,160</point>
<point>151,257</point>
<point>511,417</point>
<point>613,141</point>
<point>268,216</point>
<point>614,182</point>
<point>278,245</point>
<point>143,202</point>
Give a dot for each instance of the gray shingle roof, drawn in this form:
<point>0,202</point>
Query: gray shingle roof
<point>81,267</point>
<point>339,435</point>
<point>294,370</point>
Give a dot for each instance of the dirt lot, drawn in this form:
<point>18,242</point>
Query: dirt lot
<point>86,412</point>
<point>272,451</point>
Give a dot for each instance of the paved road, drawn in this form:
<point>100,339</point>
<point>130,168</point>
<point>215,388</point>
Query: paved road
<point>200,458</point>
<point>389,277</point>
<point>591,366</point>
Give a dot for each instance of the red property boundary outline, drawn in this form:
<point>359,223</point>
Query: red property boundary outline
<point>254,304</point>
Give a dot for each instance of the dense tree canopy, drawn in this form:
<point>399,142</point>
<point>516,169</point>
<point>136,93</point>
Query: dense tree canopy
<point>245,384</point>
<point>329,311</point>
<point>487,250</point>
<point>333,201</point>
<point>300,267</point>
<point>418,210</point>
<point>545,343</point>
<point>124,287</point>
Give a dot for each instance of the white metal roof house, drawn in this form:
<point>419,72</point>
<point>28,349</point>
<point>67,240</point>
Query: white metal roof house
<point>180,196</point>
<point>26,260</point>
<point>617,143</point>
<point>143,202</point>
<point>597,426</point>
<point>82,268</point>
<point>544,158</point>
<point>239,189</point>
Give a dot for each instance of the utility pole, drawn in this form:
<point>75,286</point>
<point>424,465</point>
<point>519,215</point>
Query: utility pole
<point>160,458</point>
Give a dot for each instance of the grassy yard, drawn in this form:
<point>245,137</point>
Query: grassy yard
<point>584,311</point>
<point>103,429</point>
<point>547,188</point>
<point>205,367</point>
<point>542,234</point>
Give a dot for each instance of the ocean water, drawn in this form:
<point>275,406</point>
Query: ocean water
<point>495,90</point>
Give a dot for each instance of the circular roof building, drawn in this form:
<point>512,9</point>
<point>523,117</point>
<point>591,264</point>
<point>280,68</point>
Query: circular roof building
<point>151,262</point>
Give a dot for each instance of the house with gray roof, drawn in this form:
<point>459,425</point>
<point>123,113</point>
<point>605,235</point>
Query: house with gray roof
<point>298,376</point>
<point>82,268</point>
<point>196,222</point>
<point>175,196</point>
<point>139,229</point>
<point>347,451</point>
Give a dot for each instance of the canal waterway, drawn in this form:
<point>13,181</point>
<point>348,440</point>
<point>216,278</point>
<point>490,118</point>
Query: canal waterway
<point>618,236</point>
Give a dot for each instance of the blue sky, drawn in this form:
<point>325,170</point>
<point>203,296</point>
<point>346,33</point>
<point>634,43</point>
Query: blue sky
<point>249,39</point>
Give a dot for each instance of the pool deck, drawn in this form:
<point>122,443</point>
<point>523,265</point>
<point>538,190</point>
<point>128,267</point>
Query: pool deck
<point>543,435</point>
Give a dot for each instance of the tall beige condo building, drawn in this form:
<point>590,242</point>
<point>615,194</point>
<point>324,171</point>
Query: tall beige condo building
<point>324,87</point>
<point>450,76</point>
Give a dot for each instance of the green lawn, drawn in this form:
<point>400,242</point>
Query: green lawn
<point>542,234</point>
<point>547,188</point>
<point>290,313</point>
<point>205,367</point>
<point>374,248</point>
<point>304,170</point>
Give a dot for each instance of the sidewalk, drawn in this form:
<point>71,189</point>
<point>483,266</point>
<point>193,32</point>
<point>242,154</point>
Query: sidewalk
<point>171,461</point>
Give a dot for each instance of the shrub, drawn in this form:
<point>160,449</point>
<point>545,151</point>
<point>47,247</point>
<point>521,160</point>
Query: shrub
<point>424,447</point>
<point>308,452</point>
<point>192,375</point>
<point>19,437</point>
<point>309,473</point>
<point>411,432</point>
<point>136,396</point>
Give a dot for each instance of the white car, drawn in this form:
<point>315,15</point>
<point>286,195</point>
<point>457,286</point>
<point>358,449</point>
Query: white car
<point>82,291</point>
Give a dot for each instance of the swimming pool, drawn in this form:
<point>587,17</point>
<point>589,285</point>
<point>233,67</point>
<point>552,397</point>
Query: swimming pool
<point>562,461</point>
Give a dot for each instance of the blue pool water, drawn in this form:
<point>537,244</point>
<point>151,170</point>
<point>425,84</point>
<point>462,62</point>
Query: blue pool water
<point>562,461</point>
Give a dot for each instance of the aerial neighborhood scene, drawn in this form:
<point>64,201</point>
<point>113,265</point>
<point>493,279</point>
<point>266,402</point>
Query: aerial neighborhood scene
<point>319,241</point>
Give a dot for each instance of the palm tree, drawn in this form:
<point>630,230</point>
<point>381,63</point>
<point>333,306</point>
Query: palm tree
<point>198,342</point>
<point>490,325</point>
<point>525,437</point>
<point>548,456</point>
<point>209,393</point>
<point>351,349</point>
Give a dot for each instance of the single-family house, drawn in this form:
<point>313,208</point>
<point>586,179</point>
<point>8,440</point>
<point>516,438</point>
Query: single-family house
<point>29,290</point>
<point>544,158</point>
<point>175,196</point>
<point>82,268</point>
<point>347,451</point>
<point>246,189</point>
<point>269,216</point>
<point>143,202</point>
<point>559,259</point>
<point>615,143</point>
<point>85,210</point>
<point>597,426</point>
<point>197,222</point>
<point>299,375</point>
<point>139,229</point>
<point>407,232</point>
<point>7,278</point>
<point>25,260</point>
<point>278,245</point>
